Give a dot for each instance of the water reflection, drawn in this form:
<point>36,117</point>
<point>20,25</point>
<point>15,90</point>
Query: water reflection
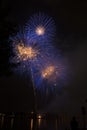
<point>12,122</point>
<point>56,124</point>
<point>31,124</point>
<point>39,122</point>
<point>43,124</point>
<point>2,120</point>
<point>12,119</point>
<point>26,122</point>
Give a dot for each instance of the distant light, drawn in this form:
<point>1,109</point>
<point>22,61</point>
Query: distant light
<point>40,30</point>
<point>39,116</point>
<point>32,112</point>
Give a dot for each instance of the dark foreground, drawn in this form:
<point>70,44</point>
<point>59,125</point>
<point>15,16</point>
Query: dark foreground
<point>30,121</point>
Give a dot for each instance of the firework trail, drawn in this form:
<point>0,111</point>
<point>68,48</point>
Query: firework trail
<point>29,53</point>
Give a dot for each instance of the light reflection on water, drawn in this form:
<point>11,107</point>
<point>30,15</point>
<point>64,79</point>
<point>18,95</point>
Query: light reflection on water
<point>12,121</point>
<point>31,124</point>
<point>39,122</point>
<point>44,124</point>
<point>27,123</point>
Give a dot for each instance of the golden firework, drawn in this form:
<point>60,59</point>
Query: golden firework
<point>26,52</point>
<point>46,73</point>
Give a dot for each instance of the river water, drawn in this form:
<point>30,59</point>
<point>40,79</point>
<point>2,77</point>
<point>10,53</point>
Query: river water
<point>22,122</point>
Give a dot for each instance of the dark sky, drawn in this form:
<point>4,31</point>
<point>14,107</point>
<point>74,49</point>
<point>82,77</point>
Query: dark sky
<point>71,23</point>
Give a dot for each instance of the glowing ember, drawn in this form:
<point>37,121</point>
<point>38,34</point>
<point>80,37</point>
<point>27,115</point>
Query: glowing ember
<point>40,30</point>
<point>48,71</point>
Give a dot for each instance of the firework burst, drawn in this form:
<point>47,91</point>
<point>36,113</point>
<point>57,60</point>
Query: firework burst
<point>42,27</point>
<point>29,53</point>
<point>40,58</point>
<point>47,72</point>
<point>36,55</point>
<point>26,52</point>
<point>51,74</point>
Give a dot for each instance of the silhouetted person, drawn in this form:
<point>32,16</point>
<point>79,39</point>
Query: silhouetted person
<point>74,124</point>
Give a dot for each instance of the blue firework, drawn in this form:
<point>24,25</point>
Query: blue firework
<point>29,53</point>
<point>35,54</point>
<point>52,74</point>
<point>42,28</point>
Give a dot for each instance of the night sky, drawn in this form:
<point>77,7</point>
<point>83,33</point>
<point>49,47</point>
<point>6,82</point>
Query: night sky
<point>71,23</point>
